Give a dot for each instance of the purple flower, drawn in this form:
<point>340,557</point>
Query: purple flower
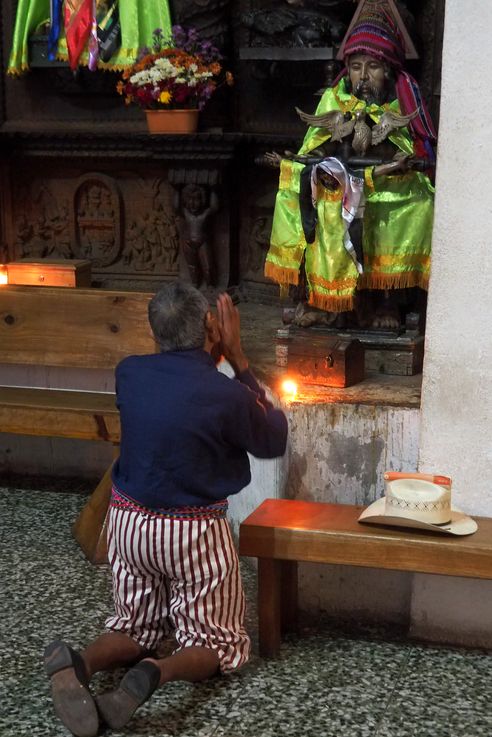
<point>144,51</point>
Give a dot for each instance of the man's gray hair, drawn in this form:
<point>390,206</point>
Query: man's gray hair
<point>177,317</point>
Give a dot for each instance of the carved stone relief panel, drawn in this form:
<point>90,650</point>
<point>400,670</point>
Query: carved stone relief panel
<point>124,224</point>
<point>96,222</point>
<point>42,222</point>
<point>152,240</point>
<point>258,226</point>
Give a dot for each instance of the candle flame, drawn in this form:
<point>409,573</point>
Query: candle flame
<point>4,279</point>
<point>289,388</point>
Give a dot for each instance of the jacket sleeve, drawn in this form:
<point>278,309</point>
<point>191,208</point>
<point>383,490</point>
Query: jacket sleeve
<point>256,425</point>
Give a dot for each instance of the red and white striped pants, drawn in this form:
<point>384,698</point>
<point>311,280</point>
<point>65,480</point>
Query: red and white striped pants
<point>182,575</point>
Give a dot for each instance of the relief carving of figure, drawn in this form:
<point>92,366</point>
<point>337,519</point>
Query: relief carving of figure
<point>137,253</point>
<point>97,220</point>
<point>45,230</point>
<point>152,243</point>
<point>258,244</point>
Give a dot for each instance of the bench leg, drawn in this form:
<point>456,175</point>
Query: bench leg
<point>277,603</point>
<point>269,602</point>
<point>89,529</point>
<point>288,596</point>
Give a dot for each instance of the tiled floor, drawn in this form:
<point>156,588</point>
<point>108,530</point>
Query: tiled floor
<point>330,683</point>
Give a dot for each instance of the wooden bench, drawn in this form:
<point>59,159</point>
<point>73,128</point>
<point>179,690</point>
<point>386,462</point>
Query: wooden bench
<point>76,329</point>
<point>282,532</point>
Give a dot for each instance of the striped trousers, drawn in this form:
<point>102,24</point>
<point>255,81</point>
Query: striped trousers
<point>181,576</point>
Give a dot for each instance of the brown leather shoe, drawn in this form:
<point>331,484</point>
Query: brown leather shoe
<point>72,699</point>
<point>117,707</point>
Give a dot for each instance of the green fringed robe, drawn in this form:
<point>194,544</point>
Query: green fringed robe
<point>397,225</point>
<point>138,18</point>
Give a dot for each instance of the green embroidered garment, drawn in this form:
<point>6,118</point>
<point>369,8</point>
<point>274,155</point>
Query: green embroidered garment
<point>138,18</point>
<point>397,224</point>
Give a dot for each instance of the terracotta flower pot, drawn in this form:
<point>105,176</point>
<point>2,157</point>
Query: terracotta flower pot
<point>172,121</point>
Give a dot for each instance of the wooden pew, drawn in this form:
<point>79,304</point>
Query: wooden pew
<point>71,328</point>
<point>283,532</point>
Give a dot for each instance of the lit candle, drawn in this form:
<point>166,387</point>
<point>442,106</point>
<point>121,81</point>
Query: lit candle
<point>4,278</point>
<point>289,389</point>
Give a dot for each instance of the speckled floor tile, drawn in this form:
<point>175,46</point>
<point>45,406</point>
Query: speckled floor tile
<point>441,693</point>
<point>333,683</point>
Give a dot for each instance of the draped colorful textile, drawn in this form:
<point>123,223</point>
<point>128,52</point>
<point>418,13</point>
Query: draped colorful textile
<point>397,224</point>
<point>30,15</point>
<point>55,27</point>
<point>410,99</point>
<point>138,18</point>
<point>78,22</point>
<point>352,193</point>
<point>92,43</point>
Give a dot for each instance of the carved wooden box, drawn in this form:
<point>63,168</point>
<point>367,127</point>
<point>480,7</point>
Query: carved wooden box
<point>50,272</point>
<point>325,360</point>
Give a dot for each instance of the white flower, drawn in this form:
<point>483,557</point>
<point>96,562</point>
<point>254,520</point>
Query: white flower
<point>140,78</point>
<point>164,64</point>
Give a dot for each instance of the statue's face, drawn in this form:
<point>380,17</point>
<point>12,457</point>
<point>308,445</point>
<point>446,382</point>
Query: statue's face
<point>368,77</point>
<point>194,200</point>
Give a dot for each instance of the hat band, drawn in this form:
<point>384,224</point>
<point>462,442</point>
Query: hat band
<point>435,512</point>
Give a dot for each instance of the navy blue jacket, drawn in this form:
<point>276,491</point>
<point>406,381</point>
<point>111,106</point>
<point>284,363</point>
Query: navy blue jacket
<point>186,429</point>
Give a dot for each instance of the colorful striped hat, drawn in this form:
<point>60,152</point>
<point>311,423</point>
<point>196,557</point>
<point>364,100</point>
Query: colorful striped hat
<point>376,31</point>
<point>376,34</point>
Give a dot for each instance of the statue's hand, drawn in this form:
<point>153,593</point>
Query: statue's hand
<point>399,165</point>
<point>403,161</point>
<point>273,159</point>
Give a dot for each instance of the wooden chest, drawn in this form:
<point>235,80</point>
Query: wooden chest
<point>50,272</point>
<point>324,360</point>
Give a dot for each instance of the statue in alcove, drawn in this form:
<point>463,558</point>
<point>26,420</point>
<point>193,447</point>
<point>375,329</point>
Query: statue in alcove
<point>354,208</point>
<point>108,35</point>
<point>197,205</point>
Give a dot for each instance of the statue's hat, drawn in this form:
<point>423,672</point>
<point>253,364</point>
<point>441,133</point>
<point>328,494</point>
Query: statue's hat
<point>378,29</point>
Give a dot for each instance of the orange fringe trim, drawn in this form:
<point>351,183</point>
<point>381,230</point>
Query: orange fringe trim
<point>393,281</point>
<point>280,274</point>
<point>378,263</point>
<point>348,283</point>
<point>296,254</point>
<point>330,303</point>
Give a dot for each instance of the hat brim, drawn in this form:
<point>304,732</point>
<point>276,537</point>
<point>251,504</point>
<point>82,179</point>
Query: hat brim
<point>460,524</point>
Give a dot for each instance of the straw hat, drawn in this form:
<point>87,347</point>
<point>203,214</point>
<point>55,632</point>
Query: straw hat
<point>420,501</point>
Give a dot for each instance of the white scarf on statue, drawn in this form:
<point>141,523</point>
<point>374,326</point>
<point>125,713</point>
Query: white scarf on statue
<point>352,200</point>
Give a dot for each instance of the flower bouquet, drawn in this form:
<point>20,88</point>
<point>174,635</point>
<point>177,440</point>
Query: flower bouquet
<point>178,75</point>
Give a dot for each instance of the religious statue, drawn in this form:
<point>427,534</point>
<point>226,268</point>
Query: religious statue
<point>354,208</point>
<point>105,34</point>
<point>197,206</point>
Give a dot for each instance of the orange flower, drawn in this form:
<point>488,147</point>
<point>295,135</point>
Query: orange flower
<point>197,78</point>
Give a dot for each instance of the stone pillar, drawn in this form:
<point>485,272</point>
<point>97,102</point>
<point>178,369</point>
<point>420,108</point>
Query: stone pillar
<point>456,418</point>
